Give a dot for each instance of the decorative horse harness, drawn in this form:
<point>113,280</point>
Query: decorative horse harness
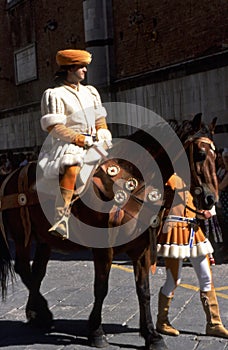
<point>198,188</point>
<point>190,143</point>
<point>127,192</point>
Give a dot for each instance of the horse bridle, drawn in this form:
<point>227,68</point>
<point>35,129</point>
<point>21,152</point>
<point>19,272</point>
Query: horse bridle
<point>189,143</point>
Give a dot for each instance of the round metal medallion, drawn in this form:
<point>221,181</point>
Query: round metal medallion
<point>120,196</point>
<point>154,195</point>
<point>131,184</point>
<point>154,221</point>
<point>198,191</point>
<point>113,170</point>
<point>22,199</point>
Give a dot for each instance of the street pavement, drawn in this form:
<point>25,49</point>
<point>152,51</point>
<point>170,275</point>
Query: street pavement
<point>68,287</point>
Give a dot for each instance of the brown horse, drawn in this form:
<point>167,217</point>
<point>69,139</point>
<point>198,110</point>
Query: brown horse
<point>19,219</point>
<point>24,220</point>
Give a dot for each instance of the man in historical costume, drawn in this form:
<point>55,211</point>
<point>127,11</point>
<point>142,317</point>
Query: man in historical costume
<point>180,238</point>
<point>74,116</point>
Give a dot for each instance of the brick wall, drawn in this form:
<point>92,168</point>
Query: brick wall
<point>147,35</point>
<point>26,23</point>
<point>153,34</point>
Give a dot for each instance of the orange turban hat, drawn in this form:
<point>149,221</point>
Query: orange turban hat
<point>68,57</point>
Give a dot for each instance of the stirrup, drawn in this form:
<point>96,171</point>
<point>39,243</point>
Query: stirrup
<point>64,220</point>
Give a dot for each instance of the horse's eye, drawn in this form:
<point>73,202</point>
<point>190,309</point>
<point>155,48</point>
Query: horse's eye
<point>200,156</point>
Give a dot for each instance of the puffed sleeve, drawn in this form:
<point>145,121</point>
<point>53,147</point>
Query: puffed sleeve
<point>52,109</point>
<point>100,111</point>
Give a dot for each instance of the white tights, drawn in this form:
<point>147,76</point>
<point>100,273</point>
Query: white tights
<point>201,266</point>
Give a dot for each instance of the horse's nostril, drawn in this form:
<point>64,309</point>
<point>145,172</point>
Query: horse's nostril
<point>210,199</point>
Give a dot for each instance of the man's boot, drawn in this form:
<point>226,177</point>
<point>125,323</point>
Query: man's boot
<point>214,324</point>
<point>62,212</point>
<point>163,325</point>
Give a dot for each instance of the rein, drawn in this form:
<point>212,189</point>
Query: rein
<point>205,213</point>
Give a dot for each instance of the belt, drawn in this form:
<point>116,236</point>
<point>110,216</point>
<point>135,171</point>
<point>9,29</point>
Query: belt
<point>191,221</point>
<point>176,218</point>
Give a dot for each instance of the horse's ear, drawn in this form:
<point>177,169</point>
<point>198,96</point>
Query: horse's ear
<point>213,124</point>
<point>196,122</point>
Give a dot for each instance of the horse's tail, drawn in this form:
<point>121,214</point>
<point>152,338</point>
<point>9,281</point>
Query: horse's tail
<point>6,267</point>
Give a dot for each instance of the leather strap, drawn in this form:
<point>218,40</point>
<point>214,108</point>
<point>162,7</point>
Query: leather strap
<point>24,198</point>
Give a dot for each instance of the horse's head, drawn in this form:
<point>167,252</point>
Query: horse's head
<point>197,139</point>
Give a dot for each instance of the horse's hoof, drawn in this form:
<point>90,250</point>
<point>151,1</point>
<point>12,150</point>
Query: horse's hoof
<point>160,346</point>
<point>36,321</point>
<point>157,347</point>
<point>156,343</point>
<point>98,341</point>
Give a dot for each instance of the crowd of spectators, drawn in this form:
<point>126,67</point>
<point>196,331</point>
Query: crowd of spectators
<point>222,205</point>
<point>12,160</point>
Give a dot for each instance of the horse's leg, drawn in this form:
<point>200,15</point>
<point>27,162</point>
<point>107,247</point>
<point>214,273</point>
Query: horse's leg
<point>102,265</point>
<point>22,262</point>
<point>153,340</point>
<point>37,311</point>
<point>6,266</point>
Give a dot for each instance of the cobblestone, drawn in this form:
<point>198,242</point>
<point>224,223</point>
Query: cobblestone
<point>68,287</point>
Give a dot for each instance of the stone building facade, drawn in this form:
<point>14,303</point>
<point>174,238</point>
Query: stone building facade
<point>168,56</point>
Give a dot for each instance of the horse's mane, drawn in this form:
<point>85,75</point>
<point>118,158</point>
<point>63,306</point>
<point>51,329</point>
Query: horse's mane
<point>195,127</point>
<point>154,140</point>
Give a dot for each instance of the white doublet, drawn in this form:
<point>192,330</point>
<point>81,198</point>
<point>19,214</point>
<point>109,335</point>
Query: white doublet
<point>77,109</point>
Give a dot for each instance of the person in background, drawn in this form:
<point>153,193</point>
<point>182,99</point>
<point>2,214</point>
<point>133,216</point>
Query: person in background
<point>223,199</point>
<point>74,116</point>
<point>5,165</point>
<point>220,165</point>
<point>23,159</point>
<point>181,237</point>
<point>212,227</point>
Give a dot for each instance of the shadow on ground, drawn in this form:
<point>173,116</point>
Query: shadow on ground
<point>64,332</point>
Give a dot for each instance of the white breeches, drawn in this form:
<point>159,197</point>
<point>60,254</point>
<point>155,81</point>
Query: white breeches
<point>201,266</point>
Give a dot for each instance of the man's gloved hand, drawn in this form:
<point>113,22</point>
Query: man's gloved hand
<point>88,141</point>
<point>104,135</point>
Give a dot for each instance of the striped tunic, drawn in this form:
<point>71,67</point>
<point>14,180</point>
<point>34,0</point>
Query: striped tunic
<point>180,236</point>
